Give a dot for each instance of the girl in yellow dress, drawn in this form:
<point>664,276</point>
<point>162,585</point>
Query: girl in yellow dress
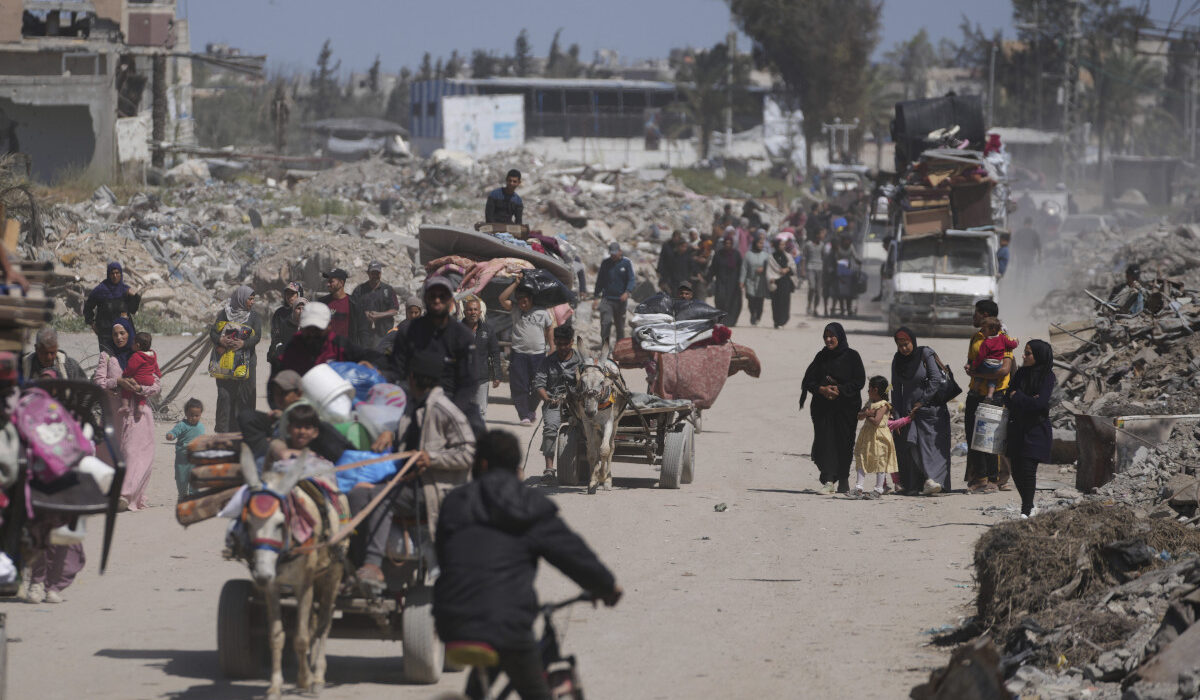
<point>874,451</point>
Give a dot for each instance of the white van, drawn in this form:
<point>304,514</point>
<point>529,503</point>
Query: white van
<point>932,282</point>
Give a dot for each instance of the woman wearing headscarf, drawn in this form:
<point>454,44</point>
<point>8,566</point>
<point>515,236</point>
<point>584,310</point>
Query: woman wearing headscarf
<point>234,335</point>
<point>108,301</point>
<point>285,322</point>
<point>835,378</point>
<point>1029,432</point>
<point>922,446</point>
<point>136,419</point>
<point>754,278</point>
<point>781,282</point>
<point>724,271</point>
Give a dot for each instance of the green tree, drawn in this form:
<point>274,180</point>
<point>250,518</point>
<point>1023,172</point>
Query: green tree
<point>397,109</point>
<point>439,71</point>
<point>373,77</point>
<point>522,54</point>
<point>454,65</point>
<point>912,60</point>
<point>426,70</point>
<point>880,106</point>
<point>1125,79</point>
<point>555,58</point>
<point>709,83</point>
<point>325,92</point>
<point>821,49</point>
<point>483,64</point>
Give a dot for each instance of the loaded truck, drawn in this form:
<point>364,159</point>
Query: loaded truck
<point>946,212</point>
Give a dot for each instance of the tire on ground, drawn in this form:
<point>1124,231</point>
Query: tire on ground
<point>674,455</point>
<point>423,651</point>
<point>236,638</point>
<point>689,454</point>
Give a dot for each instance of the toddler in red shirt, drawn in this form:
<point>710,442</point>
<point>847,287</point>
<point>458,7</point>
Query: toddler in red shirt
<point>992,350</point>
<point>142,366</point>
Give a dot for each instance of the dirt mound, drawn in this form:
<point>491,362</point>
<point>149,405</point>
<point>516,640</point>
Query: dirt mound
<point>1042,578</point>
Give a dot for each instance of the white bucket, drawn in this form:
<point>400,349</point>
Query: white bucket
<point>991,429</point>
<point>333,395</point>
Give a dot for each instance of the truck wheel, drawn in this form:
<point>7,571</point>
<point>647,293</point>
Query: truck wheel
<point>423,651</point>
<point>237,652</point>
<point>673,457</point>
<point>566,459</point>
<point>689,455</point>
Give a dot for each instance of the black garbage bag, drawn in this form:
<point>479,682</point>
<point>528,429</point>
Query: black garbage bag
<point>546,289</point>
<point>696,310</point>
<point>658,304</point>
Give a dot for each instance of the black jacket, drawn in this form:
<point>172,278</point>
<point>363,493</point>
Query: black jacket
<point>1029,432</point>
<point>485,361</point>
<point>454,342</point>
<point>283,328</point>
<point>490,535</point>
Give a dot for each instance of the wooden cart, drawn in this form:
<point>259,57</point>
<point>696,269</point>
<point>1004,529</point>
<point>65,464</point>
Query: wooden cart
<point>662,436</point>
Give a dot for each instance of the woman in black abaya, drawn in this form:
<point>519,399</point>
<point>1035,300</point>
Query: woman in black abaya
<point>835,379</point>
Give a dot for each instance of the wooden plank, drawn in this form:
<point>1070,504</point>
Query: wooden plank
<point>1179,656</point>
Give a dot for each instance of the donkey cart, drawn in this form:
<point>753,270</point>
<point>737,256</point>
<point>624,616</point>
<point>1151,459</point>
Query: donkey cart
<point>657,432</point>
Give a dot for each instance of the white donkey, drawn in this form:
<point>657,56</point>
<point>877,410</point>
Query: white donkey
<point>313,570</point>
<point>598,405</point>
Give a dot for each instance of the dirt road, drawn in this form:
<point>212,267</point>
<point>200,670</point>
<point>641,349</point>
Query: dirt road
<point>785,594</point>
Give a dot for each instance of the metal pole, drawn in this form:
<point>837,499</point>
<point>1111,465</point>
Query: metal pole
<point>992,87</point>
<point>732,55</point>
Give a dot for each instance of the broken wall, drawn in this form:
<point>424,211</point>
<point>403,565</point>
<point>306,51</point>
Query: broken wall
<point>56,137</point>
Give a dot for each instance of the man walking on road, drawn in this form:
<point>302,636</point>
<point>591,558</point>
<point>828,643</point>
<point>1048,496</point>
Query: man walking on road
<point>347,321</point>
<point>486,358</point>
<point>504,205</point>
<point>986,473</point>
<point>490,535</point>
<point>378,302</point>
<point>614,283</point>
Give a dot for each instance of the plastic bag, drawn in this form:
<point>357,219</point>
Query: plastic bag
<point>546,289</point>
<point>371,473</point>
<point>696,310</point>
<point>658,304</point>
<point>360,377</point>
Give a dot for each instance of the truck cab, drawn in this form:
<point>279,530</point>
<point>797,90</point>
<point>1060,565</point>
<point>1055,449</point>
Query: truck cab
<point>932,282</point>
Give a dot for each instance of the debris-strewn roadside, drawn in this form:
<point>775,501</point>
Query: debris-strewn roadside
<point>186,245</point>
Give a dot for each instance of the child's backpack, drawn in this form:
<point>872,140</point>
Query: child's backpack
<point>53,439</point>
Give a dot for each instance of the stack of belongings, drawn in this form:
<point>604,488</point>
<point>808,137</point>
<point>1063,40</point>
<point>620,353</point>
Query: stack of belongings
<point>686,352</point>
<point>472,277</point>
<point>355,400</point>
<point>949,188</point>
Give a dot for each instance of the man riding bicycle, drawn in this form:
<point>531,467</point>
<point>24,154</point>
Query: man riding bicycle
<point>490,535</point>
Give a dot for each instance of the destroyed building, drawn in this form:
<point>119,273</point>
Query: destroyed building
<point>88,84</point>
<point>599,121</point>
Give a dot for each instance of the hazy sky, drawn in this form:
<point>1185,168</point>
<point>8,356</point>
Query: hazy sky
<point>401,31</point>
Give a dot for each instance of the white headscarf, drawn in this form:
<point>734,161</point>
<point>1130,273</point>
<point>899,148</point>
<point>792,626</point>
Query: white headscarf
<point>235,308</point>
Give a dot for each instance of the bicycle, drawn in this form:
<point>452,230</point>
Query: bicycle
<point>562,673</point>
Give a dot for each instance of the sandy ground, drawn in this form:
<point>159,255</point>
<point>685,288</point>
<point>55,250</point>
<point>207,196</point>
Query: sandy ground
<point>787,593</point>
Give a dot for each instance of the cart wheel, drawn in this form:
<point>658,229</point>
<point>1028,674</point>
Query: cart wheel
<point>697,420</point>
<point>674,455</point>
<point>689,455</point>
<point>566,458</point>
<point>236,652</point>
<point>423,650</point>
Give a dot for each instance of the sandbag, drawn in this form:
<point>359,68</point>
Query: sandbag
<point>360,377</point>
<point>546,289</point>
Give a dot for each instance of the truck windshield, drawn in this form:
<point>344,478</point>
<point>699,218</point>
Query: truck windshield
<point>950,255</point>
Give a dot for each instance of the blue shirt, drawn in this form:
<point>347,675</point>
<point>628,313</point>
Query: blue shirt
<point>502,208</point>
<point>184,434</point>
<point>1002,259</point>
<point>615,278</point>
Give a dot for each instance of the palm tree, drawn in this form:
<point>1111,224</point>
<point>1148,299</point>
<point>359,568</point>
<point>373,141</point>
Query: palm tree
<point>1126,78</point>
<point>706,88</point>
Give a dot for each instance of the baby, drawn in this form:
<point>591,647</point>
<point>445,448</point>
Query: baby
<point>142,366</point>
<point>992,350</point>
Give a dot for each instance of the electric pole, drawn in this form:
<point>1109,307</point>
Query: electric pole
<point>1070,91</point>
<point>731,41</point>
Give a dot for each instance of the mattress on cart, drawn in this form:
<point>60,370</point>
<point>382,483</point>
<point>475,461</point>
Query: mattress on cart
<point>697,374</point>
<point>645,402</point>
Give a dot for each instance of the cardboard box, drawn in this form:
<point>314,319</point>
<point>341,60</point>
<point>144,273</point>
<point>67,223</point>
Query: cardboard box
<point>926,222</point>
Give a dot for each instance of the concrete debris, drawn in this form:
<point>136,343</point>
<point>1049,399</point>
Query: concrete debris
<point>187,245</point>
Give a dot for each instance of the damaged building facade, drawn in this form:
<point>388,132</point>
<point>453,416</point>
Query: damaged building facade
<point>608,122</point>
<point>90,84</point>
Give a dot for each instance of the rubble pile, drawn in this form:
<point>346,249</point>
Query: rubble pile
<point>185,246</point>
